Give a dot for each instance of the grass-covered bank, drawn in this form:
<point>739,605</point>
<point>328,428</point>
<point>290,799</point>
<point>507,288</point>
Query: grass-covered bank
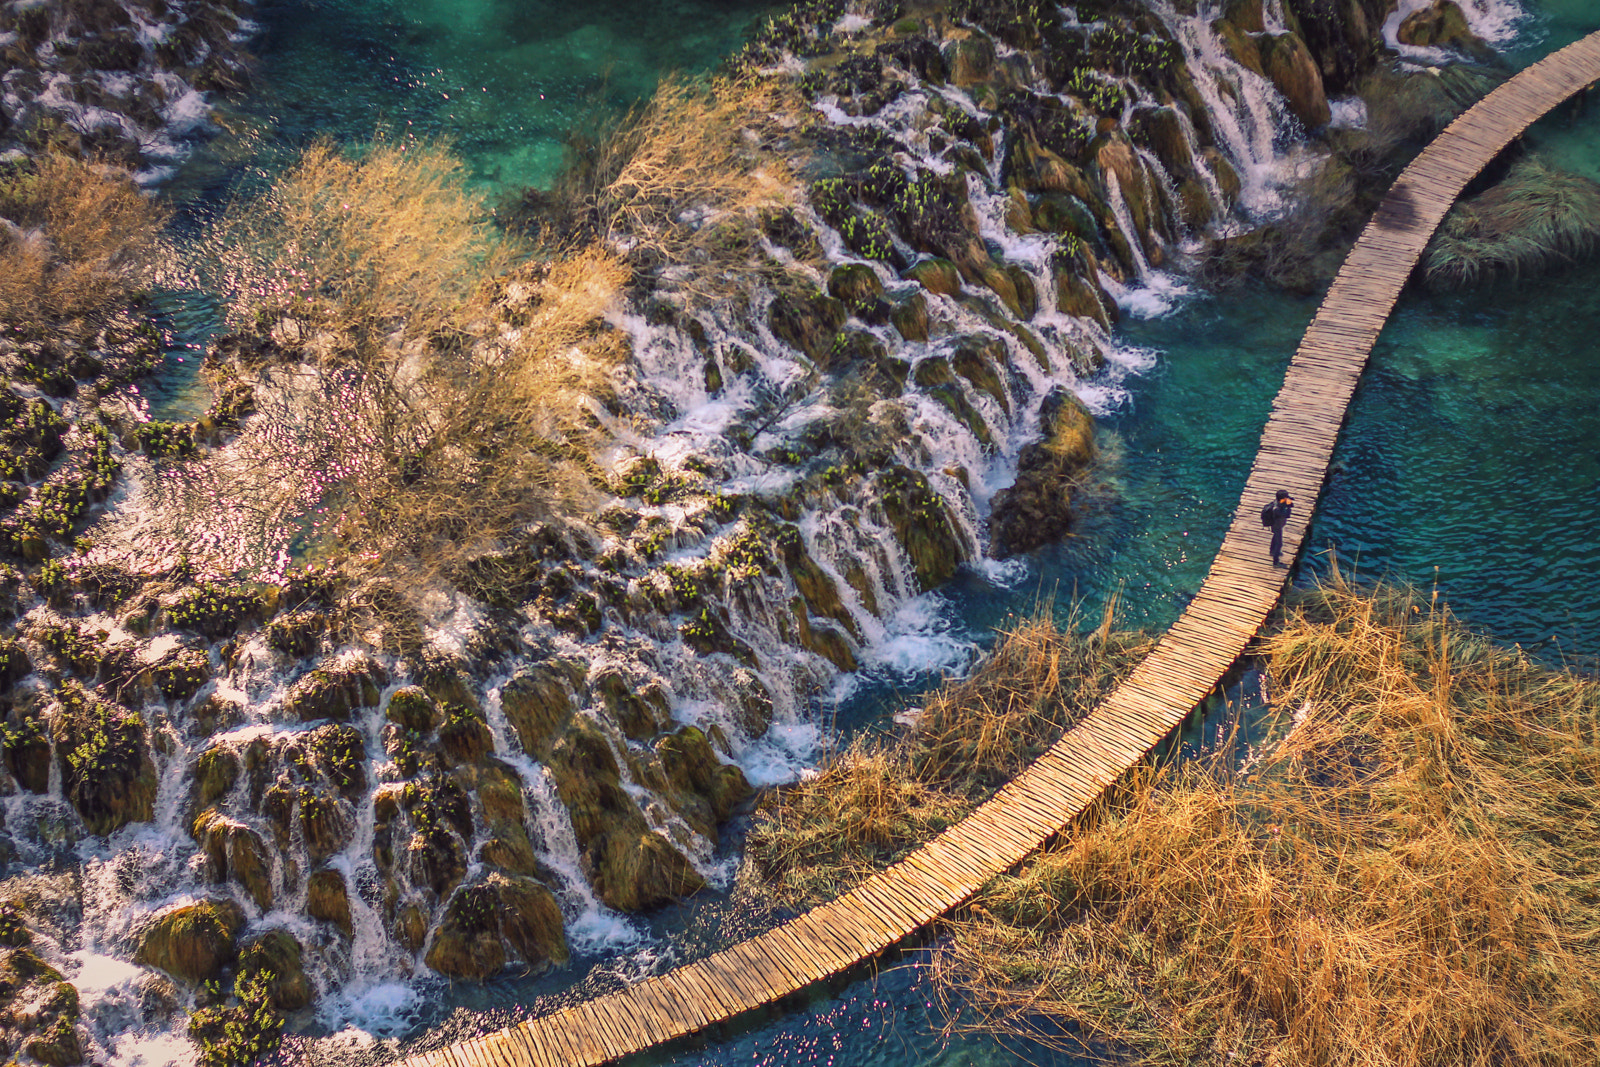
<point>1410,877</point>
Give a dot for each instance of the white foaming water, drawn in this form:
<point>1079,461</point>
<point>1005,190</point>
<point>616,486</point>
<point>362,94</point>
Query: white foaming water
<point>1349,113</point>
<point>923,636</point>
<point>366,1011</point>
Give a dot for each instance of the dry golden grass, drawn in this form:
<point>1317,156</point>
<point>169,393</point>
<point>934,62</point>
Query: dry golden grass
<point>1411,879</point>
<point>76,242</point>
<point>881,797</point>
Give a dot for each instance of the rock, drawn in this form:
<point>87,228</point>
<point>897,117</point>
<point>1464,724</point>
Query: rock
<point>327,899</point>
<point>823,638</point>
<point>640,710</point>
<point>333,692</point>
<point>341,757</point>
<point>464,737</point>
<point>939,382</point>
<point>538,703</point>
<point>1064,213</point>
<point>1288,65</point>
<point>530,921</point>
<point>1245,14</point>
<point>1027,293</point>
<point>323,823</point>
<point>1442,25</point>
<point>806,320</point>
<point>634,869</point>
<point>1227,178</point>
<point>411,927</point>
<point>192,942</point>
<point>970,60</point>
<point>854,283</point>
<point>1115,156</point>
<point>38,1002</point>
<point>1239,45</point>
<point>215,713</point>
<point>278,954</point>
<point>814,583</point>
<point>702,788</point>
<point>27,750</point>
<point>1077,296</point>
<point>412,708</point>
<point>214,774</point>
<point>627,871</point>
<point>1037,169</point>
<point>106,770</point>
<point>1162,130</point>
<point>922,525</point>
<point>935,275</point>
<point>1037,508</point>
<point>910,318</point>
<point>468,942</point>
<point>978,359</point>
<point>297,633</point>
<point>234,852</point>
<point>181,674</point>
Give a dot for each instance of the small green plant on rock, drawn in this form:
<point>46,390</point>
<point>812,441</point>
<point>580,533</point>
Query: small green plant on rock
<point>239,1034</point>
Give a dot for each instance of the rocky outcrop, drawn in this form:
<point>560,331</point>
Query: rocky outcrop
<point>38,1010</point>
<point>234,852</point>
<point>334,692</point>
<point>327,899</point>
<point>275,956</point>
<point>1038,508</point>
<point>1287,63</point>
<point>1442,25</point>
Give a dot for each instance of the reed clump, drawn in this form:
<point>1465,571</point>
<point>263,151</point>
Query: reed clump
<point>1533,220</point>
<point>1410,878</point>
<point>73,239</point>
<point>884,795</point>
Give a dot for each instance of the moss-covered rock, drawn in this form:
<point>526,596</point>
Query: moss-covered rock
<point>106,769</point>
<point>25,742</point>
<point>40,1008</point>
<point>464,737</point>
<point>1287,63</point>
<point>939,382</point>
<point>806,319</point>
<point>181,674</point>
<point>640,709</point>
<point>411,708</point>
<point>327,899</point>
<point>334,692</point>
<point>480,921</point>
<point>970,60</point>
<point>936,275</point>
<point>215,771</point>
<point>702,788</point>
<point>234,852</point>
<point>818,588</point>
<point>922,525</point>
<point>323,822</point>
<point>192,942</point>
<point>275,957</point>
<point>822,638</point>
<point>630,866</point>
<point>538,702</point>
<point>979,359</point>
<point>910,318</point>
<point>297,633</point>
<point>340,755</point>
<point>1037,509</point>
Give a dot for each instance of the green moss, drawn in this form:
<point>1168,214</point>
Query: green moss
<point>214,610</point>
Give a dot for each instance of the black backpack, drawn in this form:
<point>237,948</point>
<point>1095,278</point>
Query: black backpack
<point>1269,513</point>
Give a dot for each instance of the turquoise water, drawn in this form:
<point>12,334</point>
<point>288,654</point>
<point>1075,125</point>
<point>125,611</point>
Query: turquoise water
<point>1468,461</point>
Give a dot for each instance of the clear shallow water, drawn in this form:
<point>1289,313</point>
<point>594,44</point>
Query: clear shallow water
<point>1479,411</point>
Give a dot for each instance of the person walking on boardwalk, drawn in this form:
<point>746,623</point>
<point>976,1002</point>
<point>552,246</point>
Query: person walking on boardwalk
<point>1276,515</point>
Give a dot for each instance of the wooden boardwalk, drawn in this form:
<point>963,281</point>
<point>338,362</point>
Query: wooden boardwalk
<point>1234,601</point>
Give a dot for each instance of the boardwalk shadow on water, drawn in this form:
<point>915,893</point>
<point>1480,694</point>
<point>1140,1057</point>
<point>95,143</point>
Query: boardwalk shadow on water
<point>1238,594</point>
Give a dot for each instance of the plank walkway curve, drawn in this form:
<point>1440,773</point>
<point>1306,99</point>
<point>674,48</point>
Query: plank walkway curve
<point>1235,599</point>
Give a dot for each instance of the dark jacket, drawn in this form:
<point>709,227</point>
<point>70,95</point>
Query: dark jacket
<point>1281,510</point>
